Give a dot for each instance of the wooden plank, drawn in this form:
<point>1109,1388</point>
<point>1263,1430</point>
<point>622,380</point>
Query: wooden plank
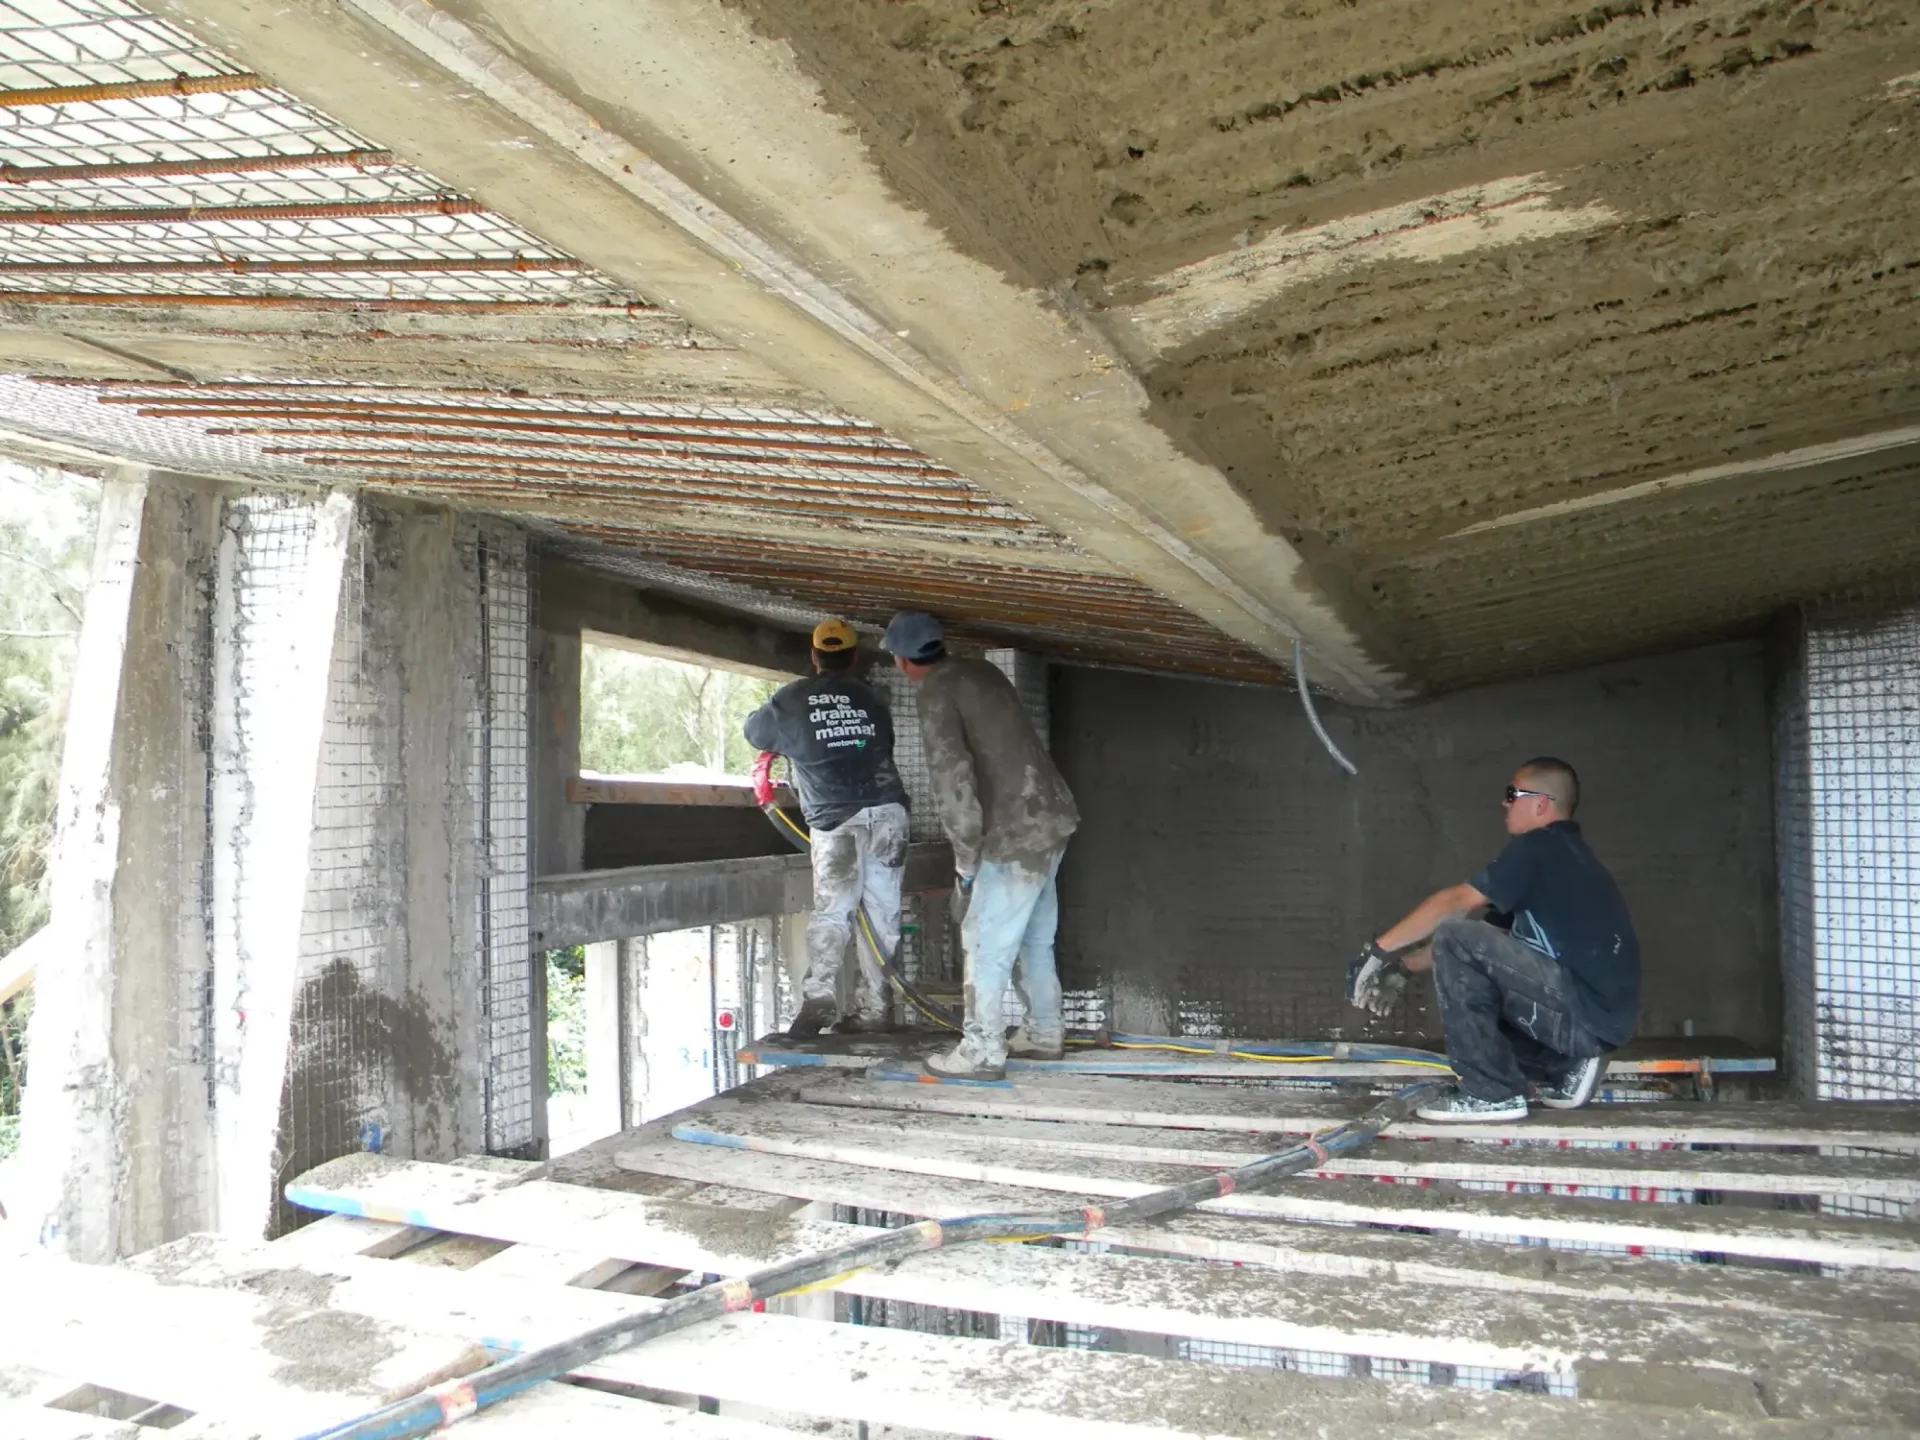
<point>21,1421</point>
<point>1813,1365</point>
<point>607,1223</point>
<point>904,1064</point>
<point>1015,1391</point>
<point>1816,1364</point>
<point>1886,1125</point>
<point>285,1363</point>
<point>1757,1173</point>
<point>1351,1253</point>
<point>603,790</point>
<point>582,1414</point>
<point>1775,1235</point>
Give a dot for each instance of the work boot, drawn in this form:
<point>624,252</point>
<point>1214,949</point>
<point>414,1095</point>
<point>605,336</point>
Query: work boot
<point>963,1063</point>
<point>1458,1105</point>
<point>815,1015</point>
<point>864,1025</point>
<point>1023,1045</point>
<point>1576,1087</point>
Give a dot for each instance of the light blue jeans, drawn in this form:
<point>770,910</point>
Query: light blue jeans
<point>1007,937</point>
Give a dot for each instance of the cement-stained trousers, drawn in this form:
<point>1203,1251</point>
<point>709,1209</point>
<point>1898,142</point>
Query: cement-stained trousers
<point>861,860</point>
<point>1509,1011</point>
<point>1008,939</point>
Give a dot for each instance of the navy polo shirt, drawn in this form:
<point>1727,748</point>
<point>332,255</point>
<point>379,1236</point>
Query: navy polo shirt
<point>1565,905</point>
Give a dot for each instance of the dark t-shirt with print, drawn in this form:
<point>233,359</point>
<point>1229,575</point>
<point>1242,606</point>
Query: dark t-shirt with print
<point>1565,905</point>
<point>839,736</point>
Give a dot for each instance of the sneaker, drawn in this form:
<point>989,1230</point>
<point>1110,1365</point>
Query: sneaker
<point>815,1015</point>
<point>960,1063</point>
<point>1576,1087</point>
<point>1027,1048</point>
<point>1458,1105</point>
<point>864,1025</point>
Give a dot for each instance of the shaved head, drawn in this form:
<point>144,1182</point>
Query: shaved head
<point>1556,778</point>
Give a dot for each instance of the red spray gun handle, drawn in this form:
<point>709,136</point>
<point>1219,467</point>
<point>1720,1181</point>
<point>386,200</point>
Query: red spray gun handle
<point>763,778</point>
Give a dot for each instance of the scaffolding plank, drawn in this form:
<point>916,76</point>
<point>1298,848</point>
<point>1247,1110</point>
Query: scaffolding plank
<point>1774,1235</point>
<point>1813,1365</point>
<point>21,1421</point>
<point>607,1223</point>
<point>1800,1173</point>
<point>1886,1125</point>
<point>582,1414</point>
<point>1351,1253</point>
<point>283,1363</point>
<point>1816,1364</point>
<point>1015,1391</point>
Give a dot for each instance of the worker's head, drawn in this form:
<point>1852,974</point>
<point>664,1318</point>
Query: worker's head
<point>1543,790</point>
<point>835,646</point>
<point>916,642</point>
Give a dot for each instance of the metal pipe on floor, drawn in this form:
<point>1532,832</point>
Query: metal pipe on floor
<point>458,1400</point>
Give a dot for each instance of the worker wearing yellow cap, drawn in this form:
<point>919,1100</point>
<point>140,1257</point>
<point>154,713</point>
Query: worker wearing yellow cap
<point>837,734</point>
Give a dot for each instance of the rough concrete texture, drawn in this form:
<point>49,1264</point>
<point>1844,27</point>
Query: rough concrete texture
<point>1748,299</point>
<point>1225,871</point>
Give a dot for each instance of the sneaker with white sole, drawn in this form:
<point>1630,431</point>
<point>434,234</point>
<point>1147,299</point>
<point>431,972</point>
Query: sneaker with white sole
<point>961,1063</point>
<point>1576,1087</point>
<point>1458,1105</point>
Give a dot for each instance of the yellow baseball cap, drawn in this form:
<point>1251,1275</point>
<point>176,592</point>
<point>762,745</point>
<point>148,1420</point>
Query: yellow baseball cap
<point>832,635</point>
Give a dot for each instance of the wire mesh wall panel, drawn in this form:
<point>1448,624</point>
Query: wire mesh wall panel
<point>340,1081</point>
<point>1793,846</point>
<point>1860,673</point>
<point>498,787</point>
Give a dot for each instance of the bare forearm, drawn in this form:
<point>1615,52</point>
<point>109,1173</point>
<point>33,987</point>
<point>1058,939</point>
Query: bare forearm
<point>1426,917</point>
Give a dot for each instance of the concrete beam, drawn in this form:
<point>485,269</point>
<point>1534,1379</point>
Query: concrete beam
<point>575,601</point>
<point>598,905</point>
<point>774,230</point>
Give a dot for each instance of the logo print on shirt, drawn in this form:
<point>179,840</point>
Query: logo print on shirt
<point>839,724</point>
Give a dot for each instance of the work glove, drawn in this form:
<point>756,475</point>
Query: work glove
<point>958,898</point>
<point>1375,980</point>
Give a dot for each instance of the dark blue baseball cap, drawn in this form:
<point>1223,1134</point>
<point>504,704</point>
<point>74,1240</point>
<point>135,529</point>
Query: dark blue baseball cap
<point>914,635</point>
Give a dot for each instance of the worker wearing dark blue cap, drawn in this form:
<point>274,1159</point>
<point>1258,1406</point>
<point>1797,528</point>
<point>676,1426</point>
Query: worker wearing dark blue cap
<point>1008,814</point>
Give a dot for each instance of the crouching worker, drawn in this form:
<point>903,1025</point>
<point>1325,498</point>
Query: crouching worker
<point>838,735</point>
<point>1540,1003</point>
<point>1008,814</point>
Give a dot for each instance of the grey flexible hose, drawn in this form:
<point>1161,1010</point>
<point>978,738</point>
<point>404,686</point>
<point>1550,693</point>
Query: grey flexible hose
<point>1313,716</point>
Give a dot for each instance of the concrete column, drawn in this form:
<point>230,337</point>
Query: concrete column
<point>276,609</point>
<point>606,1037</point>
<point>75,1110</point>
<point>559,826</point>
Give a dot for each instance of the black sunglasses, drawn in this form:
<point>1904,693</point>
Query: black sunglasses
<point>1514,792</point>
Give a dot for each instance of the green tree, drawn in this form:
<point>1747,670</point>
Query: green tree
<point>46,550</point>
<point>640,714</point>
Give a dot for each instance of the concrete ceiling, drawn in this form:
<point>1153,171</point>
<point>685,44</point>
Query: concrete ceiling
<point>1461,340</point>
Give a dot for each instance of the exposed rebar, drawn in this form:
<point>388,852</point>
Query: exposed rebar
<point>514,265</point>
<point>214,165</point>
<point>206,214</point>
<point>131,90</point>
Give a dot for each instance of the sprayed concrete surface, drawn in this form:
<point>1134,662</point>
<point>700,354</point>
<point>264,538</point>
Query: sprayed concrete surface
<point>1694,243</point>
<point>1225,871</point>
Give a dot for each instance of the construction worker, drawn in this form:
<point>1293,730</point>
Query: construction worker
<point>838,735</point>
<point>1008,814</point>
<point>1540,1001</point>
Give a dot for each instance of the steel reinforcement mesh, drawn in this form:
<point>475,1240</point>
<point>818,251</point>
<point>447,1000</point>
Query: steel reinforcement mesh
<point>340,1074</point>
<point>497,780</point>
<point>1848,751</point>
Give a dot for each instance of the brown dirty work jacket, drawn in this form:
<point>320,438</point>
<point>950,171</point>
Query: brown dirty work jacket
<point>995,787</point>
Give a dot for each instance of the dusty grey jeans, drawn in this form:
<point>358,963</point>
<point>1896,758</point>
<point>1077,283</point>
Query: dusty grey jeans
<point>1509,1011</point>
<point>862,860</point>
